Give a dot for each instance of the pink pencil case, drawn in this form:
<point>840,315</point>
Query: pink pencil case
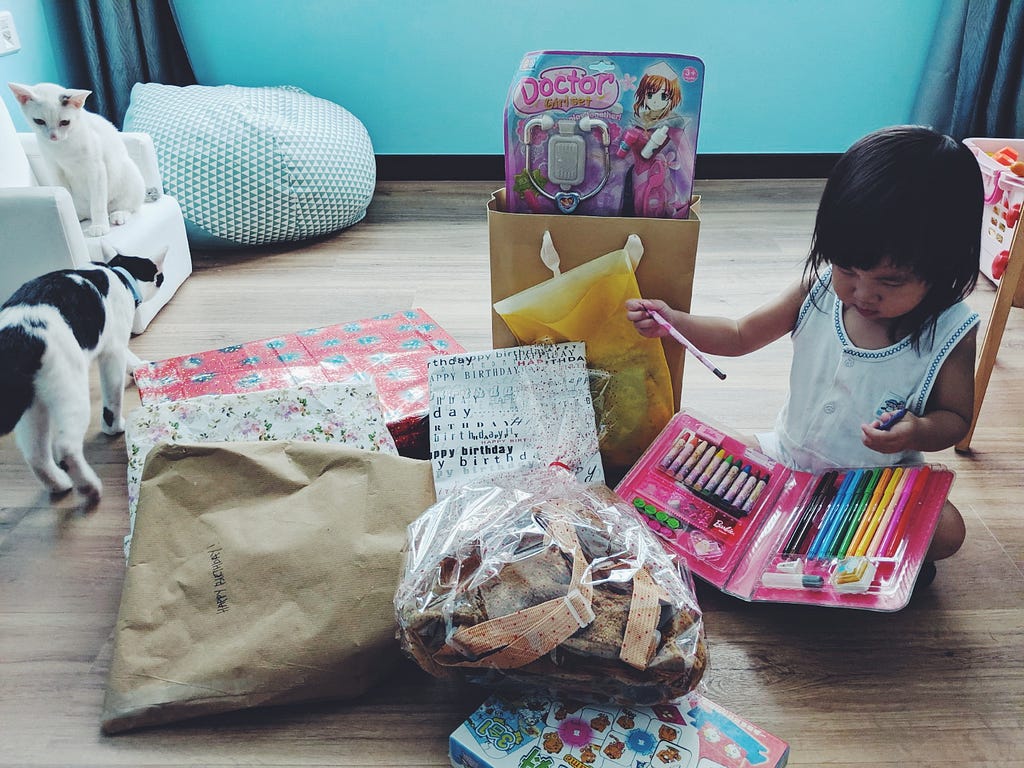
<point>851,538</point>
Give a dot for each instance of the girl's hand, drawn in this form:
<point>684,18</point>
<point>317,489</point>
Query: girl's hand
<point>893,440</point>
<point>636,311</point>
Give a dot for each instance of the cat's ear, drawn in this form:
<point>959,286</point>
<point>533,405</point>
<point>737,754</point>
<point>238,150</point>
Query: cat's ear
<point>22,93</point>
<point>75,97</point>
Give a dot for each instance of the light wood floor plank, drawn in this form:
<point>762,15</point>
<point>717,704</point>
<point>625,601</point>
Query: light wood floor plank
<point>939,683</point>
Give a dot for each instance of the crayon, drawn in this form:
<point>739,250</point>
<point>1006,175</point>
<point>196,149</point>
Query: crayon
<point>709,470</point>
<point>748,486</point>
<point>684,454</point>
<point>737,484</point>
<point>719,474</point>
<point>677,447</point>
<point>705,459</point>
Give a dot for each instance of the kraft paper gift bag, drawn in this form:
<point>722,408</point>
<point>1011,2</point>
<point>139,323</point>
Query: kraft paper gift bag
<point>665,272</point>
<point>260,574</point>
<point>587,303</point>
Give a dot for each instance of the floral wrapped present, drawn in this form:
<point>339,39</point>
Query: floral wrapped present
<point>329,413</point>
<point>390,350</point>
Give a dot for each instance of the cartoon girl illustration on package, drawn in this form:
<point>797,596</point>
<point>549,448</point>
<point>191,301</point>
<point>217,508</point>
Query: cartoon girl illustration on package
<point>659,148</point>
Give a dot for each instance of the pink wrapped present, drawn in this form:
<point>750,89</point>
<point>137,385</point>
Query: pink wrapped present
<point>391,349</point>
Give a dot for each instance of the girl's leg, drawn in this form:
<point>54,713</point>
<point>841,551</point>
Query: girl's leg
<point>949,534</point>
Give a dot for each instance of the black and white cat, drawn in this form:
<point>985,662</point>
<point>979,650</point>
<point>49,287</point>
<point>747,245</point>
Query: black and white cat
<point>86,154</point>
<point>51,329</point>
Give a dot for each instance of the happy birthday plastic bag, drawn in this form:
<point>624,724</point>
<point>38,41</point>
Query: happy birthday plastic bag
<point>587,303</point>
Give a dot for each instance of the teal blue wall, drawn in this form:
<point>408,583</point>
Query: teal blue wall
<point>431,77</point>
<point>35,62</point>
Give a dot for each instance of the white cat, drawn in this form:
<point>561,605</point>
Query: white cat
<point>86,154</point>
<point>51,329</point>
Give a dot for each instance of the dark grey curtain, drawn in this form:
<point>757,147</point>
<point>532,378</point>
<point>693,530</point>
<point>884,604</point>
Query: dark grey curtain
<point>973,84</point>
<point>109,45</point>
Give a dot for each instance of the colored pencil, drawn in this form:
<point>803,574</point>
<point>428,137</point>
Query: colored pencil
<point>902,513</point>
<point>883,480</point>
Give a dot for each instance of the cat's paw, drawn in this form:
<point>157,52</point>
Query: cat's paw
<point>117,218</point>
<point>115,428</point>
<point>92,493</point>
<point>96,230</point>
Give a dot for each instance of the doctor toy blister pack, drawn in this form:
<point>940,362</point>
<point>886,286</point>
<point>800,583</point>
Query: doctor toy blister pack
<point>603,134</point>
<point>853,538</point>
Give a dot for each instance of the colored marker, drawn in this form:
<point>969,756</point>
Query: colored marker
<point>899,511</point>
<point>892,490</point>
<point>853,514</point>
<point>894,417</point>
<point>842,498</point>
<point>825,486</point>
<point>889,549</point>
<point>675,334</point>
<point>849,546</point>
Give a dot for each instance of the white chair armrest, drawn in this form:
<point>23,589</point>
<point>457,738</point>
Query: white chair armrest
<point>140,150</point>
<point>40,221</point>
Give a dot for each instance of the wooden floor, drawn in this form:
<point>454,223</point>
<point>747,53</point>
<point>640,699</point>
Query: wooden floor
<point>940,683</point>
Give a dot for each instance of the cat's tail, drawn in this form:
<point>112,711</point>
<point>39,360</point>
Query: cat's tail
<point>21,355</point>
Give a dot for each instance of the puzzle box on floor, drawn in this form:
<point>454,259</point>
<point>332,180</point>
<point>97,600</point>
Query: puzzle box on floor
<point>692,732</point>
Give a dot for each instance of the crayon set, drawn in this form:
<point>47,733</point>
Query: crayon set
<point>760,531</point>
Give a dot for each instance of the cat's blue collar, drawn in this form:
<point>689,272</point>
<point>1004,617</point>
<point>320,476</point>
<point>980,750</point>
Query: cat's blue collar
<point>130,282</point>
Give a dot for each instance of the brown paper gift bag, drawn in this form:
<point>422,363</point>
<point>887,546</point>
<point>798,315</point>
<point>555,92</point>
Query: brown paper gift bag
<point>665,272</point>
<point>260,573</point>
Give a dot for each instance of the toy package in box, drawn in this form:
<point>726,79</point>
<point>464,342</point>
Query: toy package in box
<point>691,732</point>
<point>1002,169</point>
<point>390,349</point>
<point>853,538</point>
<point>603,134</point>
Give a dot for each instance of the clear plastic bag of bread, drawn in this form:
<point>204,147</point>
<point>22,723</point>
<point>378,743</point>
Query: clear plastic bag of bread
<point>538,581</point>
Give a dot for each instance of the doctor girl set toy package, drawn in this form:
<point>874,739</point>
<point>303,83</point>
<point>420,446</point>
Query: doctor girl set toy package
<point>603,134</point>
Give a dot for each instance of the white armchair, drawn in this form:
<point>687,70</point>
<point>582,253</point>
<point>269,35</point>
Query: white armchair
<point>40,232</point>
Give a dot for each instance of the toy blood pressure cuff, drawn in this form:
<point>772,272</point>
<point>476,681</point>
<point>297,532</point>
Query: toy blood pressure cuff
<point>603,134</point>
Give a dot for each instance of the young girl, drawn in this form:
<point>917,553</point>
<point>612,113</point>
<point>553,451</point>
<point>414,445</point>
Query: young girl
<point>878,321</point>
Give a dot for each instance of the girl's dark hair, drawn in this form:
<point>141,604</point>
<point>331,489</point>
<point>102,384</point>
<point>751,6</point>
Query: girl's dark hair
<point>911,196</point>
